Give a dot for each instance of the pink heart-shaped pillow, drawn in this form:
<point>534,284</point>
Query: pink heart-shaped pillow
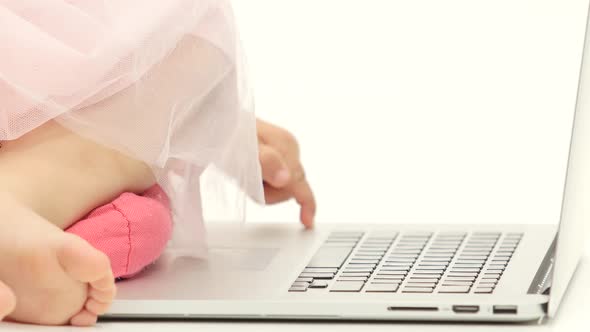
<point>132,230</point>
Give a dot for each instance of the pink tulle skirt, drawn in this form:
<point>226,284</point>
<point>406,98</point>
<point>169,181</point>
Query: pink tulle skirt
<point>162,81</point>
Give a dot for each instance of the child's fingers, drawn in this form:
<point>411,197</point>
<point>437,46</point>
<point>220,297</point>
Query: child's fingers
<point>302,193</point>
<point>274,169</point>
<point>274,196</point>
<point>306,199</point>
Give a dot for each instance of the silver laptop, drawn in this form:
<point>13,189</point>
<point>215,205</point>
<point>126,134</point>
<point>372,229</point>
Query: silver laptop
<point>379,272</point>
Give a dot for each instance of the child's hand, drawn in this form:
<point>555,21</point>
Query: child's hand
<point>284,177</point>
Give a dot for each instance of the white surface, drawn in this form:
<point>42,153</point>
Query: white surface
<point>400,120</point>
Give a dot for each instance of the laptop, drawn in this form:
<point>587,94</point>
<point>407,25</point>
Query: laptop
<point>501,273</point>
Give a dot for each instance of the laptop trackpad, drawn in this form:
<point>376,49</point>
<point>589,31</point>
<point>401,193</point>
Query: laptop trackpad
<point>222,274</point>
<point>236,258</point>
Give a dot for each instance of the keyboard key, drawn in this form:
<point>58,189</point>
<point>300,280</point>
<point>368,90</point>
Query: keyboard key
<point>428,272</point>
<point>476,252</point>
<point>353,278</point>
<point>393,268</point>
<point>417,290</point>
<point>319,284</point>
<point>374,247</point>
<point>378,240</point>
<point>407,251</point>
<point>425,276</point>
<point>465,269</point>
<point>367,256</point>
<point>407,246</point>
<point>308,280</point>
<point>440,251</point>
<point>381,288</point>
<point>500,255</point>
<point>436,260</point>
<point>355,274</point>
<point>383,244</point>
<point>391,273</point>
<point>399,260</point>
<point>298,289</point>
<point>484,290</point>
<point>347,271</point>
<point>329,257</point>
<point>496,267</point>
<point>402,256</point>
<point>490,278</point>
<point>465,257</point>
<point>317,275</point>
<point>433,264</point>
<point>378,277</point>
<point>509,248</point>
<point>422,266</point>
<point>454,289</point>
<point>383,234</point>
<point>361,266</point>
<point>438,256</point>
<point>480,285</point>
<point>460,278</point>
<point>495,271</point>
<point>423,281</point>
<point>498,264</point>
<point>463,274</point>
<point>465,264</point>
<point>347,286</point>
<point>456,283</point>
<point>419,285</point>
<point>471,261</point>
<point>343,242</point>
<point>371,251</point>
<point>319,270</point>
<point>367,261</point>
<point>394,265</point>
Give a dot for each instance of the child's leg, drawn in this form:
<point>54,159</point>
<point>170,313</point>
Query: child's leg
<point>50,178</point>
<point>7,301</point>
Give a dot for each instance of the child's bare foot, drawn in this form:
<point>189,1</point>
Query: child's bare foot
<point>7,301</point>
<point>57,277</point>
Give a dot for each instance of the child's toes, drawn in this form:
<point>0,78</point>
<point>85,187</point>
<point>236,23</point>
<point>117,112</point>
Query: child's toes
<point>84,318</point>
<point>7,301</point>
<point>104,294</point>
<point>86,264</point>
<point>81,261</point>
<point>101,294</point>
<point>97,308</point>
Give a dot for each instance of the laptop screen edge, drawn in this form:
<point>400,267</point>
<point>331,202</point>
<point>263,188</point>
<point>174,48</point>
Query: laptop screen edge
<point>576,198</point>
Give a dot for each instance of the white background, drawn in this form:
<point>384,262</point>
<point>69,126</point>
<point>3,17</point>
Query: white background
<point>420,111</point>
<point>455,111</point>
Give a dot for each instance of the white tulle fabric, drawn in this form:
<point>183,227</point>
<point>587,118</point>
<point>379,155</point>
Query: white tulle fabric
<point>162,81</point>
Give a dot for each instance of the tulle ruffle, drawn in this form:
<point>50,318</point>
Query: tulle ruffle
<point>162,81</point>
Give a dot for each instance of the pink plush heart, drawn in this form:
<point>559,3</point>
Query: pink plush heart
<point>131,230</point>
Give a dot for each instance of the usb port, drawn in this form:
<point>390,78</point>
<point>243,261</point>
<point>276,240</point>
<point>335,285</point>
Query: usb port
<point>505,309</point>
<point>465,309</point>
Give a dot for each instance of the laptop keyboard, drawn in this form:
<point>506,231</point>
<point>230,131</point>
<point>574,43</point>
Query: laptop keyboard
<point>409,262</point>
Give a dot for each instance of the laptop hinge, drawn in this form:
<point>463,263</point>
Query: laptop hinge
<point>541,283</point>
